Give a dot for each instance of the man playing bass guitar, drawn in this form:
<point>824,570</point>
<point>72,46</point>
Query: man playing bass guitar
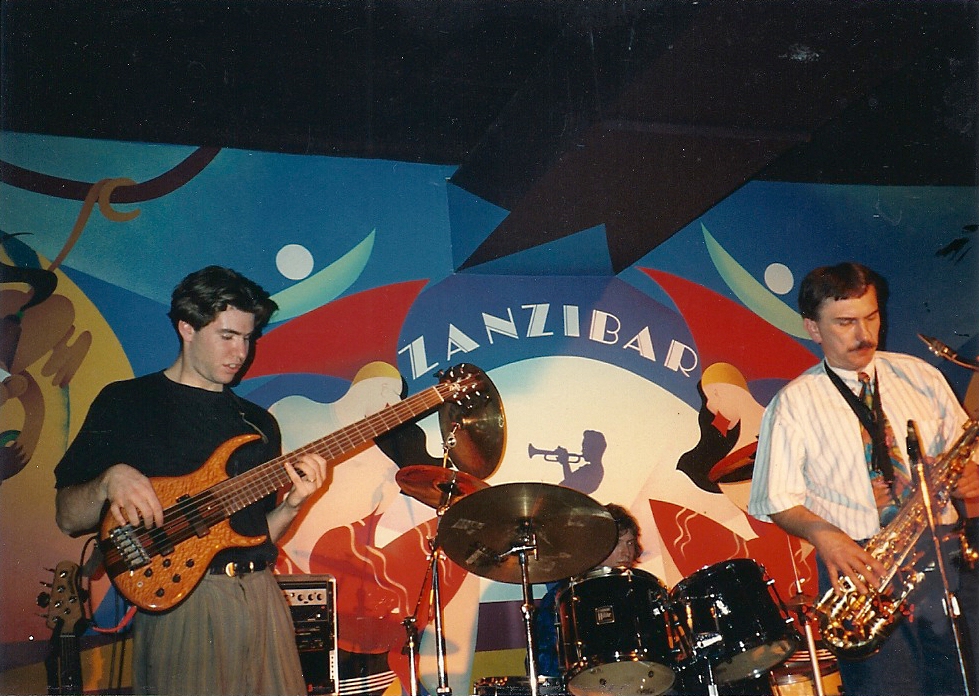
<point>231,632</point>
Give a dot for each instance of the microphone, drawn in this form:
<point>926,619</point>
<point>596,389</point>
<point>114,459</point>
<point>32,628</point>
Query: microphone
<point>943,351</point>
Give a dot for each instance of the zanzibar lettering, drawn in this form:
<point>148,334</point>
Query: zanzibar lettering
<point>602,327</point>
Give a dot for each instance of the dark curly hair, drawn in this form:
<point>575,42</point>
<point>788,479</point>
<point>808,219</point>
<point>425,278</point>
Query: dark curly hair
<point>625,522</point>
<point>203,294</point>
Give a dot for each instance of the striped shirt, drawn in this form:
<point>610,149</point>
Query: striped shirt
<point>810,449</point>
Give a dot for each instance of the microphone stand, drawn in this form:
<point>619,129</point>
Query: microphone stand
<point>951,603</point>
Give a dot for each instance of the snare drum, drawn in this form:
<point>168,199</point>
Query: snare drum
<point>734,619</point>
<point>617,634</point>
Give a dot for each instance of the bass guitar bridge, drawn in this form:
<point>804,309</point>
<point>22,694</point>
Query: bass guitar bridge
<point>130,549</point>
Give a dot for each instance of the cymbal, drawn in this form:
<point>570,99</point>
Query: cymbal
<point>572,532</point>
<point>800,600</point>
<point>473,424</point>
<point>429,484</point>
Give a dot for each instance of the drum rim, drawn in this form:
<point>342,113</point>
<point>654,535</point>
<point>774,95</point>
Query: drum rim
<point>700,572</point>
<point>583,666</point>
<point>614,571</point>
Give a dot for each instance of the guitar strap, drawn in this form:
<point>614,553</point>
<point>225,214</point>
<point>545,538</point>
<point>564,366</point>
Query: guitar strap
<point>237,405</point>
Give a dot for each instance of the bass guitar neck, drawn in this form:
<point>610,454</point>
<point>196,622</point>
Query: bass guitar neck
<point>65,618</point>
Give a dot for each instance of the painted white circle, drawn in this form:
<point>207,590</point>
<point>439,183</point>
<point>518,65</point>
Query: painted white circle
<point>294,261</point>
<point>779,278</point>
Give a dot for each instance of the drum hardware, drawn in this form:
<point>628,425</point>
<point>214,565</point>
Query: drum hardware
<point>410,623</point>
<point>801,603</point>
<point>702,641</point>
<point>411,651</point>
<point>474,428</point>
<point>527,533</point>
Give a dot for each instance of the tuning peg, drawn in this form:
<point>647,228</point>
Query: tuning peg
<point>43,600</point>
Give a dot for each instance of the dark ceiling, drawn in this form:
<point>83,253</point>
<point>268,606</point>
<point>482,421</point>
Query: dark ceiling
<point>636,115</point>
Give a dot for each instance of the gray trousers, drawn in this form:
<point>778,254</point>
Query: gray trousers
<point>230,636</point>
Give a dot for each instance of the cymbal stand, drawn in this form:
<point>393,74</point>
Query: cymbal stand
<point>817,675</point>
<point>527,541</point>
<point>443,687</point>
<point>951,603</point>
<point>411,645</point>
<point>411,650</point>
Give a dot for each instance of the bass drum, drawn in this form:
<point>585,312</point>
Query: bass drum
<point>617,634</point>
<point>735,620</point>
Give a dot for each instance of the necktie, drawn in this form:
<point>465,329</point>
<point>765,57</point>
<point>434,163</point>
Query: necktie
<point>883,455</point>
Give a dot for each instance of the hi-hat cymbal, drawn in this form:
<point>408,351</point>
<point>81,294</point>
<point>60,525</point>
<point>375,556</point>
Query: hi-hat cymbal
<point>434,484</point>
<point>572,532</point>
<point>473,424</point>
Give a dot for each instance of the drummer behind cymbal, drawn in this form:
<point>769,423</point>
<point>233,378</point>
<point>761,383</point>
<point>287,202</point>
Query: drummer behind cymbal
<point>626,554</point>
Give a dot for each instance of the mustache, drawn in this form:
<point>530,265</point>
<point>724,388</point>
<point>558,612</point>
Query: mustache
<point>863,345</point>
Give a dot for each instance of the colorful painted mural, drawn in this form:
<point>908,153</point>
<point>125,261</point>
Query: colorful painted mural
<point>644,389</point>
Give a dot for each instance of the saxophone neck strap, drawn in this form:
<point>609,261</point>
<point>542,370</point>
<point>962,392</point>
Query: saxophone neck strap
<point>872,419</point>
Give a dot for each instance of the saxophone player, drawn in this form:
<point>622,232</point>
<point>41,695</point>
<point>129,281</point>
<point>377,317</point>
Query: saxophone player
<point>831,469</point>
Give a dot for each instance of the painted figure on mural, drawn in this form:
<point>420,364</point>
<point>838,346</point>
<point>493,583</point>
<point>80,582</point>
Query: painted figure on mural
<point>825,472</point>
<point>723,461</point>
<point>34,326</point>
<point>376,580</point>
<point>584,477</point>
<point>233,634</point>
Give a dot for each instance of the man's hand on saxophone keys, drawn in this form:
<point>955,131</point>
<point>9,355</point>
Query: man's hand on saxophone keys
<point>846,558</point>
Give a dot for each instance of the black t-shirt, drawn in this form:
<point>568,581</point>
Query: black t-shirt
<point>163,428</point>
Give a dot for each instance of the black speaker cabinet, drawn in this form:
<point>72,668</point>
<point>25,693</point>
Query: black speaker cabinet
<point>313,603</point>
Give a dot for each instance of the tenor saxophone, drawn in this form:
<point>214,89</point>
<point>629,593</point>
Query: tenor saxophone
<point>854,625</point>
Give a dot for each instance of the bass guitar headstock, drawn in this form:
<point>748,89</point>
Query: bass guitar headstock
<point>65,616</point>
<point>63,604</point>
<point>466,385</point>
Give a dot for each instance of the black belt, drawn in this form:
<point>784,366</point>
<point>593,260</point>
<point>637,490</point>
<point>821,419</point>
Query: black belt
<point>234,569</point>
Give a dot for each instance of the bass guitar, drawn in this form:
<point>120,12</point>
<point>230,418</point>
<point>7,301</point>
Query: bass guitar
<point>156,568</point>
<point>66,619</point>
